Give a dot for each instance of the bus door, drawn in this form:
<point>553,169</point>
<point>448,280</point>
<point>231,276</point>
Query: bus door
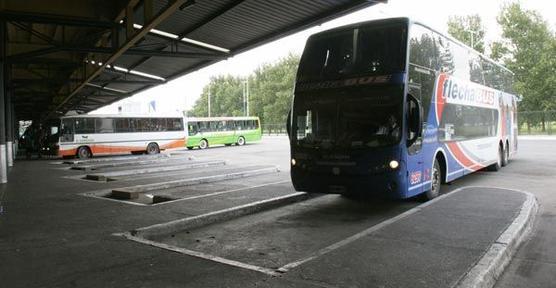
<point>415,159</point>
<point>67,133</point>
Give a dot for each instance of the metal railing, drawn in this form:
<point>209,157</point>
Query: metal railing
<point>536,122</point>
<point>274,129</point>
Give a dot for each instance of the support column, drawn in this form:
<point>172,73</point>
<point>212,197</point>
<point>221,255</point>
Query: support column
<point>9,129</point>
<point>15,133</point>
<point>3,89</point>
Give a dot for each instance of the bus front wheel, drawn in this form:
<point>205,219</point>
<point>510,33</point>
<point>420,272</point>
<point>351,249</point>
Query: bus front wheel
<point>436,181</point>
<point>152,148</point>
<point>84,152</point>
<point>240,141</point>
<point>203,144</point>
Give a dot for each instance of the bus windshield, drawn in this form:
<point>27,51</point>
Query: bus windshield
<point>349,118</point>
<point>375,50</point>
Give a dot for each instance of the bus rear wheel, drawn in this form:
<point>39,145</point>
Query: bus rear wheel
<point>84,152</point>
<point>152,148</point>
<point>240,141</point>
<point>203,144</point>
<point>436,181</point>
<point>505,156</point>
<point>496,166</point>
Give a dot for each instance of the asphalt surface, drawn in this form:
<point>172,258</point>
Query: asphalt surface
<point>51,236</point>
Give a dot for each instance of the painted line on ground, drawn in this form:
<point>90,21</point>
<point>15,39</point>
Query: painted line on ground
<point>112,176</point>
<point>201,255</point>
<point>101,194</point>
<point>483,274</point>
<point>218,216</point>
<point>140,235</point>
<point>363,233</point>
<point>198,180</point>
<point>222,192</point>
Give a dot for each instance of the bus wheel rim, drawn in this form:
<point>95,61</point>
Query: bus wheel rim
<point>435,180</point>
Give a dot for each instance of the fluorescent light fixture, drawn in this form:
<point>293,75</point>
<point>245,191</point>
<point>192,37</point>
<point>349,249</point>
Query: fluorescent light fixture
<point>146,75</point>
<point>106,88</point>
<point>203,44</point>
<point>184,39</point>
<point>120,69</point>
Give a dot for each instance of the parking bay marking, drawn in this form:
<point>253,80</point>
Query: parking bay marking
<point>289,266</point>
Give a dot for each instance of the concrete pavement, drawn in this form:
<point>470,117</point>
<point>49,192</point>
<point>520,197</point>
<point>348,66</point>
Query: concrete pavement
<point>50,236</point>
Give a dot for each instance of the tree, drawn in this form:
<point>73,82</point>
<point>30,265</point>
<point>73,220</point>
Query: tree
<point>226,98</point>
<point>529,50</point>
<point>469,30</point>
<point>271,90</point>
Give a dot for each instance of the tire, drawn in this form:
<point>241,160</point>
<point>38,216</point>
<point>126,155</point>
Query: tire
<point>506,156</point>
<point>240,141</point>
<point>496,166</point>
<point>203,144</point>
<point>436,181</point>
<point>84,152</point>
<point>152,148</point>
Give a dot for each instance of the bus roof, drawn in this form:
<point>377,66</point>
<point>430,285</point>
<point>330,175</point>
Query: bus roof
<point>407,20</point>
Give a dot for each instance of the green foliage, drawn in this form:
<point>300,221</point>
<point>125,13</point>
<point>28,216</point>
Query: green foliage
<point>529,50</point>
<point>226,98</point>
<point>469,30</point>
<point>270,90</point>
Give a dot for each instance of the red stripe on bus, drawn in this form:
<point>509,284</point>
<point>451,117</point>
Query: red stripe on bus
<point>465,161</point>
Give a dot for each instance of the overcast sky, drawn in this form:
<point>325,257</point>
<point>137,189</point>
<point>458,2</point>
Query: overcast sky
<point>181,94</point>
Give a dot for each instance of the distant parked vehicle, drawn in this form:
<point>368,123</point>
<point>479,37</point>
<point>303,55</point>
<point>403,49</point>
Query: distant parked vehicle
<point>203,132</point>
<point>83,136</point>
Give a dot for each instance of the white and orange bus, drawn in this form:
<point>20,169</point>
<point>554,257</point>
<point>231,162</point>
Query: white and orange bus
<point>83,136</point>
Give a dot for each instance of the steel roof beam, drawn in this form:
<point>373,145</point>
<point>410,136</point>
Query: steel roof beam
<point>157,19</point>
<point>124,81</point>
<point>55,20</point>
<point>24,57</point>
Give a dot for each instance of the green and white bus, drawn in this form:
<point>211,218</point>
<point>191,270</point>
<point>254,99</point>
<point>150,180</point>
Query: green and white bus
<point>203,132</point>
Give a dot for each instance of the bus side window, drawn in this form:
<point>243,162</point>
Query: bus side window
<point>193,129</point>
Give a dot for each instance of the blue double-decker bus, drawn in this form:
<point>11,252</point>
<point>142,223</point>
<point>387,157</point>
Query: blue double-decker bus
<point>393,107</point>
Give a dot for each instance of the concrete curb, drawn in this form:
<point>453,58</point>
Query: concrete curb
<point>110,175</point>
<point>216,216</point>
<point>489,268</point>
<point>117,158</point>
<point>118,164</point>
<point>195,181</point>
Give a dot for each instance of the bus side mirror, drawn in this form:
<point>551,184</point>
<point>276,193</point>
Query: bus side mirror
<point>289,123</point>
<point>414,119</point>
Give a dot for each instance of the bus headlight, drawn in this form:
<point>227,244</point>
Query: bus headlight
<point>293,162</point>
<point>394,164</point>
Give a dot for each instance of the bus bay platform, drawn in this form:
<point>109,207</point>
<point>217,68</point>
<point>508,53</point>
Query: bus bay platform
<point>51,235</point>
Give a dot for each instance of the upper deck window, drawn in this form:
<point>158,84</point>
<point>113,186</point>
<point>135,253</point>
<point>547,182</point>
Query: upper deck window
<point>365,50</point>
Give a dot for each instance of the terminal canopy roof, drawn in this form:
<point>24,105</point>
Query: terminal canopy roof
<point>64,55</point>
